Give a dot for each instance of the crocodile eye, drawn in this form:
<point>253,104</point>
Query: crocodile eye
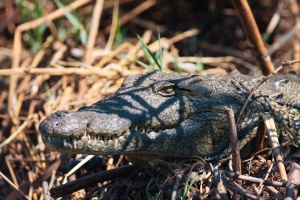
<point>167,91</point>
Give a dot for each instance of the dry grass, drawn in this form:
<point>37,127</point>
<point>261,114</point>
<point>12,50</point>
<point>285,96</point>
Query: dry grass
<point>61,76</point>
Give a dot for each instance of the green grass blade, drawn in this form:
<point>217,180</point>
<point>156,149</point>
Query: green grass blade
<point>187,187</point>
<point>149,196</point>
<point>144,65</point>
<point>158,55</point>
<point>177,68</point>
<point>200,65</point>
<point>148,53</point>
<point>74,21</point>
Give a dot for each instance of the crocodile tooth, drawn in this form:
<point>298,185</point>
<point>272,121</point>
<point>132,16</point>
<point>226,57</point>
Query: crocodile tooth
<point>95,146</point>
<point>127,133</point>
<point>135,128</point>
<point>49,139</point>
<point>74,141</point>
<point>65,142</point>
<point>84,139</point>
<point>90,144</point>
<point>152,135</point>
<point>121,139</point>
<point>100,144</point>
<point>110,144</point>
<point>105,139</point>
<point>115,140</point>
<point>79,144</point>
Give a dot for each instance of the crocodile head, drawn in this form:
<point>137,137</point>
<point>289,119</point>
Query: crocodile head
<point>154,115</point>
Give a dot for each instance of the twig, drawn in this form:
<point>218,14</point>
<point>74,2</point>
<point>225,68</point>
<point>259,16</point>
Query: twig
<point>284,38</point>
<point>178,178</point>
<point>275,192</point>
<point>59,72</point>
<point>113,26</point>
<point>80,183</point>
<point>13,185</point>
<point>256,180</point>
<point>93,30</point>
<point>274,20</point>
<point>227,51</point>
<point>253,35</point>
<point>235,152</point>
<point>236,159</point>
<point>76,167</point>
<point>260,135</point>
<point>186,34</point>
<point>236,188</point>
<point>265,178</point>
<point>293,183</point>
<point>218,184</point>
<point>13,135</point>
<point>134,12</point>
<point>273,141</point>
<point>82,84</point>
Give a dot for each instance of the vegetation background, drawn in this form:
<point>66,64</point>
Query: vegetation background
<point>64,54</point>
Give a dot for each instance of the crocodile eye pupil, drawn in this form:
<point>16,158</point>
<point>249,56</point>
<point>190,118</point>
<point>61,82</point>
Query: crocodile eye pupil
<point>164,88</point>
<point>168,89</point>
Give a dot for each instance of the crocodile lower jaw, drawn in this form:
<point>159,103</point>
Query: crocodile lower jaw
<point>95,142</point>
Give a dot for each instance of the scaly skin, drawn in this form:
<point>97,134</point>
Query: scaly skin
<point>159,115</point>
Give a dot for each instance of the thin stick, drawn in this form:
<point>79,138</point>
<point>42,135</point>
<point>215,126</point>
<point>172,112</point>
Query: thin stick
<point>13,185</point>
<point>12,136</point>
<point>273,140</point>
<point>82,84</point>
<point>253,35</point>
<point>236,159</point>
<point>134,12</point>
<point>93,31</point>
<point>175,191</point>
<point>80,183</point>
<point>283,39</point>
<point>218,183</point>
<point>293,182</point>
<point>59,72</point>
<point>235,153</point>
<point>113,27</point>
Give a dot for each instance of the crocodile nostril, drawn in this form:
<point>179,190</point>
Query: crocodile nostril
<point>61,113</point>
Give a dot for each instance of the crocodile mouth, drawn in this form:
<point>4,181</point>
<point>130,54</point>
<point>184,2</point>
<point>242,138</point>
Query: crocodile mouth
<point>97,141</point>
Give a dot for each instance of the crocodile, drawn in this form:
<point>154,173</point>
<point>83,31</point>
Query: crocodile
<point>157,116</point>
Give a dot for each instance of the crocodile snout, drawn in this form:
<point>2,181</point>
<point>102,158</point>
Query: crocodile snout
<point>63,123</point>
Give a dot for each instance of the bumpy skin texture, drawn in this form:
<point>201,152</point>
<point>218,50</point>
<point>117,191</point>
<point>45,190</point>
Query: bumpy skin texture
<point>161,115</point>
